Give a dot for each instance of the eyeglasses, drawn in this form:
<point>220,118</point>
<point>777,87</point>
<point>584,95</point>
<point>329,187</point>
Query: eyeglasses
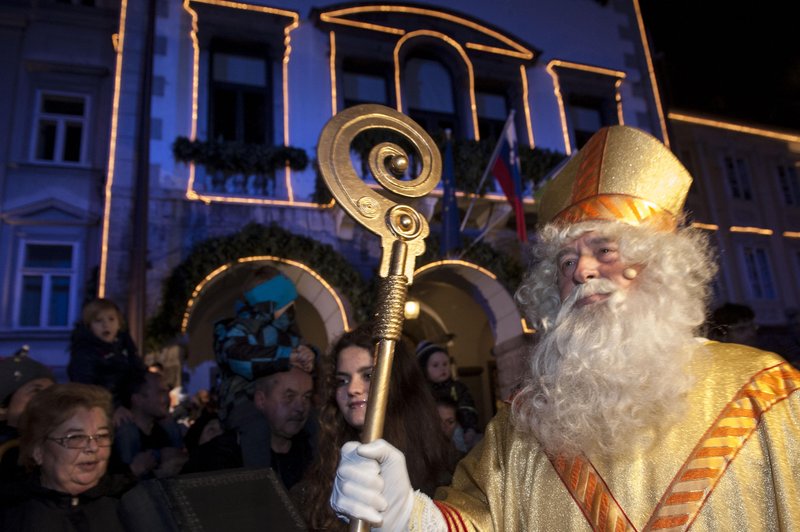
<point>81,441</point>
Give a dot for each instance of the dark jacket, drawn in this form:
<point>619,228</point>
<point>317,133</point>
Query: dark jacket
<point>27,506</point>
<point>110,365</point>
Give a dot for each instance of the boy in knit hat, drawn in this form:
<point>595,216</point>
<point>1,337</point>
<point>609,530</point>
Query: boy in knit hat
<point>261,340</point>
<point>435,363</point>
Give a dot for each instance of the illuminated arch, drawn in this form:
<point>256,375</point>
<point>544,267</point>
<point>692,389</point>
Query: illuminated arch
<point>507,325</point>
<point>311,286</point>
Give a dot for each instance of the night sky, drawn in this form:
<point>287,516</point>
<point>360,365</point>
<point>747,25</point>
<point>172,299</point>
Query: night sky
<point>734,60</point>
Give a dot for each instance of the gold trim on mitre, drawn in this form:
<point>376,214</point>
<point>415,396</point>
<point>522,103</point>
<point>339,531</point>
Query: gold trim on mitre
<point>622,174</point>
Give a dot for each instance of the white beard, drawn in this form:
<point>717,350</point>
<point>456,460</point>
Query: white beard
<point>607,373</point>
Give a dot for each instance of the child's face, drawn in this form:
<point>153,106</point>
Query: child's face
<point>438,367</point>
<point>105,325</point>
<point>448,416</point>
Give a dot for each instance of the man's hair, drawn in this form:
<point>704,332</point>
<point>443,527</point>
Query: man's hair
<point>267,383</point>
<point>601,374</point>
<point>731,314</point>
<point>136,381</point>
<point>681,258</point>
<point>53,406</point>
<point>96,306</point>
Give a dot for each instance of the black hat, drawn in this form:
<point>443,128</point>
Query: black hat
<point>17,371</point>
<point>424,351</point>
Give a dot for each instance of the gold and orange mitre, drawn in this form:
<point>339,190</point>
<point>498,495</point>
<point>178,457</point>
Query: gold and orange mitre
<point>621,174</point>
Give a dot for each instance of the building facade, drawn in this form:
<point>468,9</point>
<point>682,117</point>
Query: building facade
<point>746,193</point>
<point>156,150</point>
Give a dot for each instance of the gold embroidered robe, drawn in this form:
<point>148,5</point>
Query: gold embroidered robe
<point>731,463</point>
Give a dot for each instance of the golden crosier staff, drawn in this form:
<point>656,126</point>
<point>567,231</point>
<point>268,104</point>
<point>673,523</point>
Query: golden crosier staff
<point>386,213</point>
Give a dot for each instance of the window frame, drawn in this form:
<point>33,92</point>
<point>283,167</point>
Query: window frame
<point>762,290</point>
<point>425,117</point>
<point>364,67</point>
<point>260,51</point>
<point>743,189</point>
<point>788,183</point>
<point>580,88</point>
<point>47,273</point>
<point>39,116</point>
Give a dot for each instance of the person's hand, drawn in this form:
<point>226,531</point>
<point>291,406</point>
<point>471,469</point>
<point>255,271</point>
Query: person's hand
<point>172,461</point>
<point>121,415</point>
<point>143,463</point>
<point>372,484</point>
<point>302,357</point>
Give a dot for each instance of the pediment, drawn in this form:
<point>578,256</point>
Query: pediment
<point>401,19</point>
<point>48,212</point>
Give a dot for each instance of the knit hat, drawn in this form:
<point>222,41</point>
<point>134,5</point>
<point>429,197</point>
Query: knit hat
<point>279,289</point>
<point>424,351</point>
<point>18,370</point>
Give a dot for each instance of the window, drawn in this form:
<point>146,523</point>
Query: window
<point>589,96</point>
<point>60,128</point>
<point>430,97</point>
<point>790,184</point>
<point>46,285</point>
<point>759,273</point>
<point>362,84</point>
<point>492,113</point>
<point>587,114</point>
<point>738,177</point>
<point>240,108</point>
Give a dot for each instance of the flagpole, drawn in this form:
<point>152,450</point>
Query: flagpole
<point>481,236</point>
<point>488,169</point>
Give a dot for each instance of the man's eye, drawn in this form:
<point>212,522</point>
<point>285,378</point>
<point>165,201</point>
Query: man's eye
<point>566,265</point>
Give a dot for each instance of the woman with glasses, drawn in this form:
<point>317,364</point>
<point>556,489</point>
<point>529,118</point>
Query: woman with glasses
<point>66,436</point>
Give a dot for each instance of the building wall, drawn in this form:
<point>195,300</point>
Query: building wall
<point>753,210</point>
<point>597,45</point>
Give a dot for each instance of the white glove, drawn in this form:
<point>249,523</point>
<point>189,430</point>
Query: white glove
<point>372,484</point>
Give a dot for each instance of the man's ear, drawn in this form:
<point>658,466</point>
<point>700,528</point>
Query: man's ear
<point>259,399</point>
<point>37,454</point>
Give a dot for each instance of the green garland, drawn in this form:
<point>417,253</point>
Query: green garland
<point>253,239</point>
<point>507,268</point>
<point>470,158</point>
<point>237,158</point>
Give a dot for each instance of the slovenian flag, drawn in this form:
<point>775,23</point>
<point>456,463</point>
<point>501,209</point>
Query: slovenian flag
<point>504,167</point>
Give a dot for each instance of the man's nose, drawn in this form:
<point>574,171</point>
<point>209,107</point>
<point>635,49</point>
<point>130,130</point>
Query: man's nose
<point>585,269</point>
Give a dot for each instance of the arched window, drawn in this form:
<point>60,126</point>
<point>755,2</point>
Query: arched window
<point>429,95</point>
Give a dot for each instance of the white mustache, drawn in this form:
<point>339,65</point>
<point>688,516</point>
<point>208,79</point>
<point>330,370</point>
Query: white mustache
<point>589,288</point>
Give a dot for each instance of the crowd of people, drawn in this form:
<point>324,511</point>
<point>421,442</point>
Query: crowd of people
<point>624,420</point>
<point>70,452</point>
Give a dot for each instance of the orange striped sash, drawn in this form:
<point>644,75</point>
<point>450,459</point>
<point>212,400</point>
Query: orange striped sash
<point>705,466</point>
<point>701,472</point>
<point>592,495</point>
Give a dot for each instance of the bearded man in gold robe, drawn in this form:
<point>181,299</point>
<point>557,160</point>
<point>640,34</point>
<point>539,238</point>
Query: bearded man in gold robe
<point>626,421</point>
